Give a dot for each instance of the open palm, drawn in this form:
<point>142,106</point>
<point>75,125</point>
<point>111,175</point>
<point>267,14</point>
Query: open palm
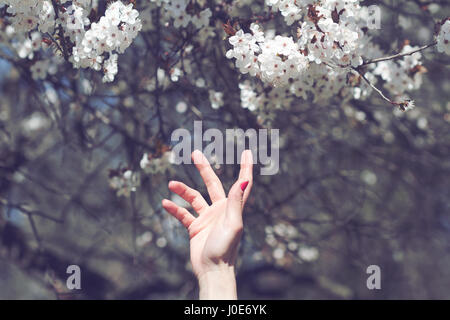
<point>216,232</point>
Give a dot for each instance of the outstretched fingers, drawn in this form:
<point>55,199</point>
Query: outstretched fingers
<point>184,216</point>
<point>192,196</point>
<point>212,182</point>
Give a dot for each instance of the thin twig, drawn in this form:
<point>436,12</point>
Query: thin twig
<point>56,43</point>
<point>375,88</point>
<point>24,210</point>
<point>35,232</point>
<point>399,55</point>
<point>60,32</point>
<point>134,225</point>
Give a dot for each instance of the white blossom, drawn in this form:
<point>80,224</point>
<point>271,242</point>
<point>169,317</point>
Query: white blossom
<point>153,165</point>
<point>216,99</point>
<point>124,183</point>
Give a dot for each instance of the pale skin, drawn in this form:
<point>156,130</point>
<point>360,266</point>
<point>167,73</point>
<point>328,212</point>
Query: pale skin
<point>216,232</point>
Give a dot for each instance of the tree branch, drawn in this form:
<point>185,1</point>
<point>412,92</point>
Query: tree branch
<point>61,32</point>
<point>375,88</point>
<point>399,55</point>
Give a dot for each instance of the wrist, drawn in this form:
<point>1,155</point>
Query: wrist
<point>218,284</point>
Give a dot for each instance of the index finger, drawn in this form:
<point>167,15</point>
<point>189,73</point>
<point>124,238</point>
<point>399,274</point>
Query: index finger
<point>212,182</point>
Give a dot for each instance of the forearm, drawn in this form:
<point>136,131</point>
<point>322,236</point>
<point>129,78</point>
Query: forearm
<point>218,285</point>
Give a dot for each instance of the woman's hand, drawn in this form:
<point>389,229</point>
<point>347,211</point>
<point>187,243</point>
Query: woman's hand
<point>216,232</point>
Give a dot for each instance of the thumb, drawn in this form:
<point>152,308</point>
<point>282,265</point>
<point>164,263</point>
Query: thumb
<point>235,203</point>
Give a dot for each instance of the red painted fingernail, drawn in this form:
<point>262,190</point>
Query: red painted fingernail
<point>244,185</point>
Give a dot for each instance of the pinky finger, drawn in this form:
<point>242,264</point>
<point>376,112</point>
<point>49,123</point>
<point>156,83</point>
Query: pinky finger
<point>184,216</point>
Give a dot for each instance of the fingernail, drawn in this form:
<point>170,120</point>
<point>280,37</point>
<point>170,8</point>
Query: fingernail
<point>244,185</point>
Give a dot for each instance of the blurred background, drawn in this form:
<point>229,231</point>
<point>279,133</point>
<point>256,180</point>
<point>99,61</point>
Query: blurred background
<point>360,183</point>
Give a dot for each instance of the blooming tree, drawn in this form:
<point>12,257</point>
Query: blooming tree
<point>92,89</point>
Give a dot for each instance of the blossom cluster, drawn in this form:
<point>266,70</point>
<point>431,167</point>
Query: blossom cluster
<point>274,60</point>
<point>29,14</point>
<point>124,181</point>
<point>153,164</point>
<point>113,33</point>
<point>324,61</point>
<point>181,18</point>
<point>178,11</point>
<point>216,99</point>
<point>330,43</point>
<point>402,75</point>
<point>283,239</point>
<point>291,10</point>
<point>42,68</point>
<point>93,45</point>
<point>331,30</point>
